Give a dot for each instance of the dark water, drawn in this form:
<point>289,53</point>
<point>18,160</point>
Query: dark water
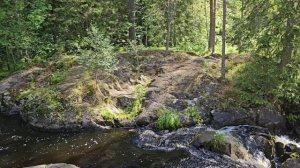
<point>21,146</point>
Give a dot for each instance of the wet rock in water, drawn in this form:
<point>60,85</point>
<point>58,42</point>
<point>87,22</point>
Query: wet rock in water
<point>58,165</point>
<point>200,158</point>
<point>203,147</point>
<point>279,147</point>
<point>266,144</point>
<point>291,163</point>
<point>292,148</point>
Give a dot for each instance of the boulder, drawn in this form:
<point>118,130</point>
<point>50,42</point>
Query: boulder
<point>231,118</point>
<point>266,145</point>
<point>263,117</point>
<point>148,115</point>
<point>279,147</point>
<point>125,101</point>
<point>58,165</point>
<point>292,148</point>
<point>270,119</point>
<point>200,140</point>
<point>291,163</point>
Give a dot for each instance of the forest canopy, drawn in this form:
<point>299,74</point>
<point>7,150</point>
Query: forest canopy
<point>34,31</point>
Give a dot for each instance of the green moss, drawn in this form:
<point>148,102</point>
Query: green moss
<point>168,119</point>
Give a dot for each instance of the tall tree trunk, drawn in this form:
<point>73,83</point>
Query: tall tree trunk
<point>131,16</point>
<point>223,70</point>
<point>206,22</point>
<point>286,55</point>
<point>169,20</point>
<point>212,29</point>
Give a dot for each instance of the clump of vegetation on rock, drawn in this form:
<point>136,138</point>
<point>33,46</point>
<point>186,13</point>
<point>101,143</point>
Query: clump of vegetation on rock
<point>168,119</point>
<point>218,141</point>
<point>194,114</point>
<point>136,106</point>
<point>42,103</point>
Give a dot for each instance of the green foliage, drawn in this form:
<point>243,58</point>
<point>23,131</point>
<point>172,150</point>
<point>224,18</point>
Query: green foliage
<point>42,102</point>
<point>136,106</point>
<point>218,140</point>
<point>254,82</point>
<point>64,62</point>
<point>194,114</point>
<point>168,119</point>
<point>107,114</point>
<point>293,118</point>
<point>289,88</point>
<point>57,77</point>
<point>97,53</point>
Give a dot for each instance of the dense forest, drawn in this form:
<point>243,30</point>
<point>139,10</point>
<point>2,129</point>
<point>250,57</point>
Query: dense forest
<point>176,65</point>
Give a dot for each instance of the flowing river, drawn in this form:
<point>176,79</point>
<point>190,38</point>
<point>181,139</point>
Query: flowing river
<point>21,146</point>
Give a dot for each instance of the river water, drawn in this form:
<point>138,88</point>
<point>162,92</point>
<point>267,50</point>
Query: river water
<point>21,146</point>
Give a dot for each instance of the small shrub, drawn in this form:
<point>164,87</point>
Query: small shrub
<point>168,119</point>
<point>254,84</point>
<point>194,114</point>
<point>218,140</point>
<point>57,77</point>
<point>97,53</point>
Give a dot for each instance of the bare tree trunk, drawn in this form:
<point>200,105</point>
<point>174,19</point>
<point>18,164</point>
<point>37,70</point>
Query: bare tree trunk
<point>212,31</point>
<point>223,70</point>
<point>131,16</point>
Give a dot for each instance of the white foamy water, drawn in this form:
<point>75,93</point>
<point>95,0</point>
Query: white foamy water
<point>286,140</point>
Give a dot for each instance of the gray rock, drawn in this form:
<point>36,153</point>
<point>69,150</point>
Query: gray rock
<point>231,118</point>
<point>58,165</point>
<point>125,101</point>
<point>279,147</point>
<point>148,114</point>
<point>271,119</point>
<point>291,148</point>
<point>291,163</point>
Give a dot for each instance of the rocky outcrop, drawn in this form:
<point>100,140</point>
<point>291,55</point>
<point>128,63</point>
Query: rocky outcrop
<point>58,165</point>
<point>263,117</point>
